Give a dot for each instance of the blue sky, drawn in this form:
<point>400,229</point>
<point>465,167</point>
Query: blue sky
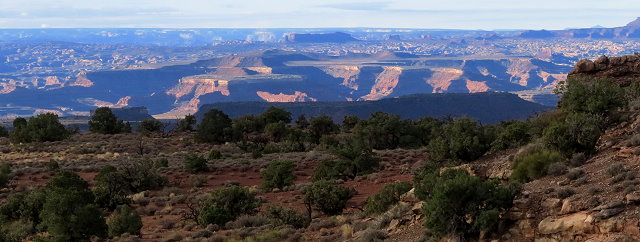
<point>449,14</point>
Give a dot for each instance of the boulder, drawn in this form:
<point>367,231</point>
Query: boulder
<point>551,203</point>
<point>568,207</point>
<point>409,197</point>
<point>574,223</point>
<point>632,198</point>
<point>609,205</point>
<point>608,213</point>
<point>417,208</point>
<point>585,66</point>
<point>601,63</point>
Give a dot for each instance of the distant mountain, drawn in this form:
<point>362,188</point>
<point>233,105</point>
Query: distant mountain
<point>486,107</point>
<point>631,30</point>
<point>337,37</point>
<point>536,34</point>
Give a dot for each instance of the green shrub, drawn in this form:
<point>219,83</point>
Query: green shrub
<point>149,126</point>
<point>214,155</point>
<point>41,128</point>
<point>113,185</point>
<point>577,159</point>
<point>461,140</point>
<point>52,165</point>
<point>333,170</point>
<point>194,163</point>
<point>68,212</point>
<point>5,174</point>
<point>103,121</point>
<point>575,173</point>
<point>3,131</point>
<point>328,197</point>
<point>226,204</point>
<point>385,198</point>
<point>513,135</point>
<point>557,169</point>
<point>425,179</point>
<point>320,126</point>
<point>360,157</point>
<point>161,162</point>
<point>187,123</point>
<point>531,166</point>
<point>111,188</point>
<point>278,174</point>
<point>285,216</point>
<point>276,131</point>
<point>458,197</point>
<point>124,220</point>
<point>592,96</point>
<point>215,128</point>
<point>565,193</point>
<point>214,214</point>
<point>579,132</point>
<point>276,115</point>
<point>616,169</point>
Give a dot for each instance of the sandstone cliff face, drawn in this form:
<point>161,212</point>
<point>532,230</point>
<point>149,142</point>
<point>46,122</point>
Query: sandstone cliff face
<point>349,74</point>
<point>442,77</point>
<point>623,70</point>
<point>281,97</point>
<point>385,83</point>
<point>191,89</point>
<point>81,80</point>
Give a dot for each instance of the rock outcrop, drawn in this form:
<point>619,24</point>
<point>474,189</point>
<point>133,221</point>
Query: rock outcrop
<point>622,70</point>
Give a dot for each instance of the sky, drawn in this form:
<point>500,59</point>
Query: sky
<point>428,14</point>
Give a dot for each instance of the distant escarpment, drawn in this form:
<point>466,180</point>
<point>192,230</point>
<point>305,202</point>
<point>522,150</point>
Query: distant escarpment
<point>622,70</point>
<point>485,107</point>
<point>336,37</point>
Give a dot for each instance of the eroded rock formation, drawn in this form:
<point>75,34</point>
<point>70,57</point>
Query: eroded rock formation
<point>622,70</point>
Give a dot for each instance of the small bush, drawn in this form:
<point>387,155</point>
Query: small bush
<point>214,155</point>
<point>575,173</point>
<point>596,96</point>
<point>531,166</point>
<point>388,196</point>
<point>513,135</point>
<point>215,128</point>
<point>577,159</point>
<point>457,197</point>
<point>578,132</point>
<point>5,174</point>
<point>214,214</point>
<point>373,235</point>
<point>103,121</point>
<point>187,123</point>
<point>616,169</point>
<point>149,126</point>
<point>226,204</point>
<point>565,193</point>
<point>278,175</point>
<point>557,169</point>
<point>41,128</point>
<point>247,221</point>
<point>162,162</point>
<point>285,216</point>
<point>328,197</point>
<point>124,220</point>
<point>195,163</point>
<point>333,170</point>
<point>594,191</point>
<point>53,165</point>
